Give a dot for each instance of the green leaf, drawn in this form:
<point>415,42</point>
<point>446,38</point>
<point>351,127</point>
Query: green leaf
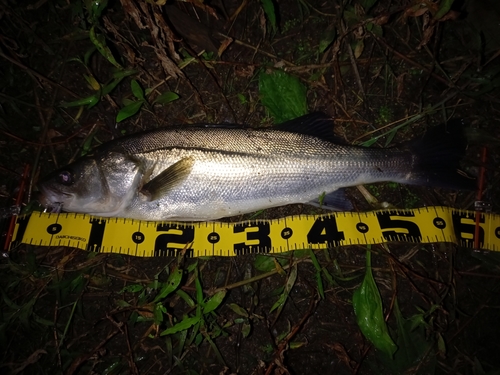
<point>412,341</point>
<point>88,54</point>
<point>183,325</point>
<point>186,297</point>
<point>134,288</point>
<point>173,281</point>
<point>268,7</point>
<point>242,98</point>
<point>290,282</point>
<point>367,4</point>
<point>137,90</point>
<point>166,97</point>
<point>214,301</point>
<point>158,312</point>
<point>367,305</point>
<point>246,329</point>
<point>111,86</point>
<point>375,29</point>
<point>444,7</point>
<point>97,8</point>
<point>327,39</point>
<point>319,280</point>
<point>264,263</point>
<point>238,309</point>
<point>283,95</point>
<point>120,74</point>
<point>92,82</point>
<point>122,303</point>
<point>129,110</point>
<point>90,101</point>
<point>100,42</point>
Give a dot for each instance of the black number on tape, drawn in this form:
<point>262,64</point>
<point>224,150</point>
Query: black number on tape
<point>261,235</point>
<point>286,233</point>
<point>394,229</point>
<point>464,231</point>
<point>439,223</point>
<point>138,237</point>
<point>362,228</point>
<point>54,228</point>
<point>22,222</point>
<point>169,244</point>
<point>96,234</point>
<point>213,237</point>
<point>325,230</point>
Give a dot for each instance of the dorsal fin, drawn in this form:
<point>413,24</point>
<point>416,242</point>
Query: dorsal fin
<point>316,124</point>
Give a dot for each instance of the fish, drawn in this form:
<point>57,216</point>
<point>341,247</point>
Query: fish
<point>208,172</point>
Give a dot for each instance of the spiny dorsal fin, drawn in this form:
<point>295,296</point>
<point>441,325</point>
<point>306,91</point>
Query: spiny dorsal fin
<point>316,124</point>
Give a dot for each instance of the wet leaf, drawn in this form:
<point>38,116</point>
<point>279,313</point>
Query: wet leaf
<point>100,42</point>
<point>266,263</point>
<point>412,344</point>
<point>327,39</point>
<point>367,305</point>
<point>90,101</point>
<point>367,4</point>
<point>283,95</point>
<point>183,325</point>
<point>375,29</point>
<point>137,89</point>
<point>246,329</point>
<point>214,301</point>
<point>122,303</point>
<point>359,48</point>
<point>278,267</point>
<point>288,287</point>
<point>120,74</point>
<point>186,297</point>
<point>95,9</point>
<point>129,111</point>
<point>173,281</point>
<point>444,8</point>
<point>158,312</point>
<point>268,7</point>
<point>92,82</point>
<point>88,54</point>
<point>319,280</point>
<point>238,309</point>
<point>134,288</point>
<point>166,97</point>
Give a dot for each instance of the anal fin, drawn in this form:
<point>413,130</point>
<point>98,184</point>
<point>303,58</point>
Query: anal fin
<point>335,201</point>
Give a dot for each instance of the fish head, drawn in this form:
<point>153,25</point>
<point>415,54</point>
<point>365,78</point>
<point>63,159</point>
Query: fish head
<point>100,185</point>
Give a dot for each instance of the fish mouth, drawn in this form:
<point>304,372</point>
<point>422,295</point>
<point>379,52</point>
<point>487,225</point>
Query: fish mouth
<point>51,201</point>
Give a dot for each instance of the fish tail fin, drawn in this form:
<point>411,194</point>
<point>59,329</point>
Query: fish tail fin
<point>437,157</point>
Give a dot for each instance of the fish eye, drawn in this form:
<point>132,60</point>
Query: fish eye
<point>65,178</point>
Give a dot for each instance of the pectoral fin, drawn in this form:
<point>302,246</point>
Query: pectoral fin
<point>168,179</point>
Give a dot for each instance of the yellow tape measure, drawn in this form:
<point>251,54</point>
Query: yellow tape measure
<point>151,239</point>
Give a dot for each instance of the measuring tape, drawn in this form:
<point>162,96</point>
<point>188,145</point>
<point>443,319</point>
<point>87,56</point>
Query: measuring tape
<point>153,239</point>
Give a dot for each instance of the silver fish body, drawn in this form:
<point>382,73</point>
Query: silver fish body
<point>206,173</point>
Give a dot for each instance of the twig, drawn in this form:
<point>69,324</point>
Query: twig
<point>38,75</point>
<point>84,357</point>
<point>284,343</point>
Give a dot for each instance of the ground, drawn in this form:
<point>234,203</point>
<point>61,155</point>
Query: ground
<point>386,71</point>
